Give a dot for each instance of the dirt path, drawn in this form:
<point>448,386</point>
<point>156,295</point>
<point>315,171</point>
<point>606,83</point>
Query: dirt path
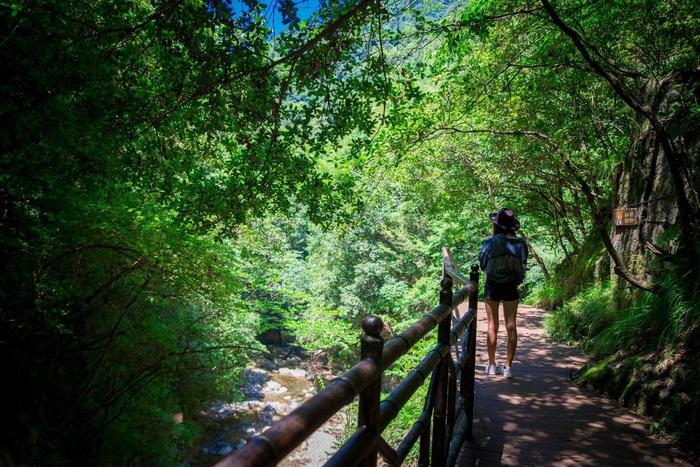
<point>540,417</point>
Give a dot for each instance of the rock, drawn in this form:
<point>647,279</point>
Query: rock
<point>386,333</point>
<point>273,387</point>
<point>267,413</point>
<point>267,364</point>
<point>252,405</point>
<point>218,449</point>
<point>220,411</point>
<point>272,337</point>
<point>295,372</point>
<point>254,380</point>
<point>241,443</point>
<point>644,180</point>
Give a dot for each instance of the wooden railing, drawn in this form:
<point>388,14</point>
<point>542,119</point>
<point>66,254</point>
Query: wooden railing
<point>449,404</point>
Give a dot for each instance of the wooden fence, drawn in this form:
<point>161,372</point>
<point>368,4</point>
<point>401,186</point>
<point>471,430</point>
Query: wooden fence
<point>447,416</point>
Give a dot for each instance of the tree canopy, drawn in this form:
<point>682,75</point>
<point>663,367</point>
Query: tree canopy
<point>174,173</point>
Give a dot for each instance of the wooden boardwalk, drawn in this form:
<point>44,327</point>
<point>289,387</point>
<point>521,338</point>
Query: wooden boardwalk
<point>540,417</point>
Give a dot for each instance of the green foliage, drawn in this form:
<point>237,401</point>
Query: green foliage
<point>548,294</point>
<point>572,275</point>
<point>664,320</point>
<point>137,139</point>
<point>594,319</point>
<point>175,181</point>
<point>326,329</point>
<point>643,354</point>
<point>598,371</point>
<point>582,317</point>
<point>268,254</point>
<point>399,427</point>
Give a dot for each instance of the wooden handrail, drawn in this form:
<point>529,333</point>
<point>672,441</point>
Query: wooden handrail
<point>450,268</point>
<point>449,404</point>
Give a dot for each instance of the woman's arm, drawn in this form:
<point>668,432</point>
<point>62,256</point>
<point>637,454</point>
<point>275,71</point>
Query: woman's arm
<point>484,255</point>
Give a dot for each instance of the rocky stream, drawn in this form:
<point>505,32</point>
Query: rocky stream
<point>273,386</point>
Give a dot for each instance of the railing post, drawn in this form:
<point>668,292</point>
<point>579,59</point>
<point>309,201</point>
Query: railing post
<point>372,346</point>
<point>424,449</point>
<point>438,448</point>
<point>467,380</point>
<point>451,396</point>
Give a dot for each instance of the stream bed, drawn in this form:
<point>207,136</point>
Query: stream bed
<point>272,387</point>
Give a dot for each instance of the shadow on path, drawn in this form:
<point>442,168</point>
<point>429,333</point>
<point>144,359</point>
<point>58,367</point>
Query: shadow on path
<point>540,417</point>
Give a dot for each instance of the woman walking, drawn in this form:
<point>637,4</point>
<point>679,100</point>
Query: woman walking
<point>503,258</point>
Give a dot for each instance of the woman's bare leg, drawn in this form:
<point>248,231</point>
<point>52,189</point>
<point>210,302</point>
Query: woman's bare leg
<point>492,315</point>
<point>510,312</point>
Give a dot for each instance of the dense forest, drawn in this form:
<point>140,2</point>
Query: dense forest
<point>178,177</point>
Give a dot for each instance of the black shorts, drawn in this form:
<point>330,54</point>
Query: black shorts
<point>501,292</point>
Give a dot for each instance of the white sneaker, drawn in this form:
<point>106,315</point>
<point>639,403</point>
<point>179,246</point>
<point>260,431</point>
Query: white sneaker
<point>490,369</point>
<point>508,371</point>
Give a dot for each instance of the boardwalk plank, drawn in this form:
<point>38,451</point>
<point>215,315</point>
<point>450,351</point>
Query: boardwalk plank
<point>540,417</point>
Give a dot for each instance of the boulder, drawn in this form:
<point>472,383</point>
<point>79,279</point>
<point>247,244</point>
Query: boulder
<point>273,387</point>
<point>218,449</point>
<point>295,372</point>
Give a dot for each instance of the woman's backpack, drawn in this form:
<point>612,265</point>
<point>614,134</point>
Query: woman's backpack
<point>503,261</point>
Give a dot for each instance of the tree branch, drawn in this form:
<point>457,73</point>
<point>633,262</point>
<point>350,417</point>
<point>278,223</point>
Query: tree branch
<point>685,210</point>
<point>327,32</point>
<point>598,217</point>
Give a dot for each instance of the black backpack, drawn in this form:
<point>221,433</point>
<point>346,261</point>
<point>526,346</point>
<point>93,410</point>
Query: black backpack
<point>503,265</point>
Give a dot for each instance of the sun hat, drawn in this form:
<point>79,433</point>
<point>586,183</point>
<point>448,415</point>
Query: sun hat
<point>505,219</point>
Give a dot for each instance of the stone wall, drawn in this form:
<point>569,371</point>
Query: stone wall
<point>644,181</point>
